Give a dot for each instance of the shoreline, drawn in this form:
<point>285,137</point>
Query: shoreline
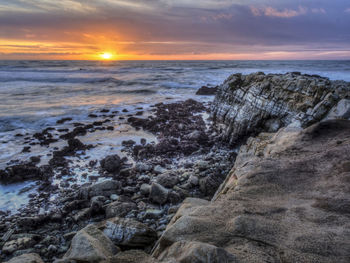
<point>164,189</point>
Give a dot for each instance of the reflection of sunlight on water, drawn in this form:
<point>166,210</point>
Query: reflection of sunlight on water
<point>10,197</point>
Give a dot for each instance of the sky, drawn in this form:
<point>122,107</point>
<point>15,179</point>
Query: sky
<point>175,29</point>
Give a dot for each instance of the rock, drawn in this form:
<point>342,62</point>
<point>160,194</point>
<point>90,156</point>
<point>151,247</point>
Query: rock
<point>340,111</point>
<point>133,256</point>
<point>185,251</point>
<point>18,244</point>
<point>27,258</point>
<point>204,90</point>
<point>90,245</point>
<point>145,189</point>
<point>286,199</point>
<point>159,169</point>
<point>21,172</point>
<point>120,209</point>
<point>111,163</point>
<point>158,194</point>
<point>105,188</point>
<point>128,233</point>
<point>248,104</point>
<point>167,180</point>
<point>142,167</point>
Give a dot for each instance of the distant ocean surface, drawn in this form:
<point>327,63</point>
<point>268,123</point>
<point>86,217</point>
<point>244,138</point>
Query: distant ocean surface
<point>34,94</point>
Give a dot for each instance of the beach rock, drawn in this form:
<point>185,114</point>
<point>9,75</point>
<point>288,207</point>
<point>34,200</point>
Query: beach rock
<point>90,245</point>
<point>158,194</point>
<point>133,256</point>
<point>21,172</point>
<point>204,90</point>
<point>119,209</point>
<point>27,258</point>
<point>111,163</point>
<point>127,232</point>
<point>105,188</point>
<point>285,200</point>
<point>18,244</point>
<point>248,104</point>
<point>167,179</point>
<point>145,189</point>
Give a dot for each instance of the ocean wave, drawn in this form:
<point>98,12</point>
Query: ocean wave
<point>62,80</point>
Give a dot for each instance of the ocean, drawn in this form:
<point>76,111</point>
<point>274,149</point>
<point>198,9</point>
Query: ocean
<point>35,94</point>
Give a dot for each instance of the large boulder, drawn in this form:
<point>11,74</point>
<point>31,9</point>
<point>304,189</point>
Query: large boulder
<point>204,90</point>
<point>127,232</point>
<point>285,200</point>
<point>248,104</point>
<point>90,245</point>
<point>27,258</point>
<point>119,209</point>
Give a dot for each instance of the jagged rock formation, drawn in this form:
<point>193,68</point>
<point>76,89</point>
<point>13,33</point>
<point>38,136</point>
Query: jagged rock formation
<point>248,104</point>
<point>285,200</point>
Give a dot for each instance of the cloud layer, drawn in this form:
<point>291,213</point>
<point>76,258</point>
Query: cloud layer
<point>167,29</point>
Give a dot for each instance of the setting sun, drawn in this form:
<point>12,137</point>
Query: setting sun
<point>106,55</point>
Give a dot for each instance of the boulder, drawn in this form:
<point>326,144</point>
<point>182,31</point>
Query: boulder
<point>27,258</point>
<point>204,90</point>
<point>127,232</point>
<point>120,209</point>
<point>158,194</point>
<point>111,163</point>
<point>168,180</point>
<point>90,245</point>
<point>248,104</point>
<point>18,244</point>
<point>285,200</point>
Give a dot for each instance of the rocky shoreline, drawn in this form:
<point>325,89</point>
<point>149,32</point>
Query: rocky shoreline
<point>183,197</point>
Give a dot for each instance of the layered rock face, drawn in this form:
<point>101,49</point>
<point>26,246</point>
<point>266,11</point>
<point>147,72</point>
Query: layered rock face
<point>285,200</point>
<point>248,104</point>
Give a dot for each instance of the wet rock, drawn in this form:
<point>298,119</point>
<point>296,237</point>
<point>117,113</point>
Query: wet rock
<point>128,143</point>
<point>158,194</point>
<point>63,120</point>
<point>22,172</point>
<point>90,245</point>
<point>168,179</point>
<point>27,258</point>
<point>128,233</point>
<point>142,167</point>
<point>26,149</point>
<point>204,90</point>
<point>111,163</point>
<point>105,188</point>
<point>119,209</point>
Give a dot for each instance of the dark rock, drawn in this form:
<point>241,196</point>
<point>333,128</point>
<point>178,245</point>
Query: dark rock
<point>63,120</point>
<point>158,194</point>
<point>204,90</point>
<point>111,163</point>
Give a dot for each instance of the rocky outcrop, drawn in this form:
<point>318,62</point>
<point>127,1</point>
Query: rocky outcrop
<point>248,104</point>
<point>90,245</point>
<point>285,200</point>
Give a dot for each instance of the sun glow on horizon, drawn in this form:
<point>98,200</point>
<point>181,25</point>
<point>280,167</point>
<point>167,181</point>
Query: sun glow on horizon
<point>106,55</point>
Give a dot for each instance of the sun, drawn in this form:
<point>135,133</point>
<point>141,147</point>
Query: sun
<point>106,55</point>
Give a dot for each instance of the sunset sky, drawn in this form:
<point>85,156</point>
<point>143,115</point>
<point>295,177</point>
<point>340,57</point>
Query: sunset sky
<point>175,29</point>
